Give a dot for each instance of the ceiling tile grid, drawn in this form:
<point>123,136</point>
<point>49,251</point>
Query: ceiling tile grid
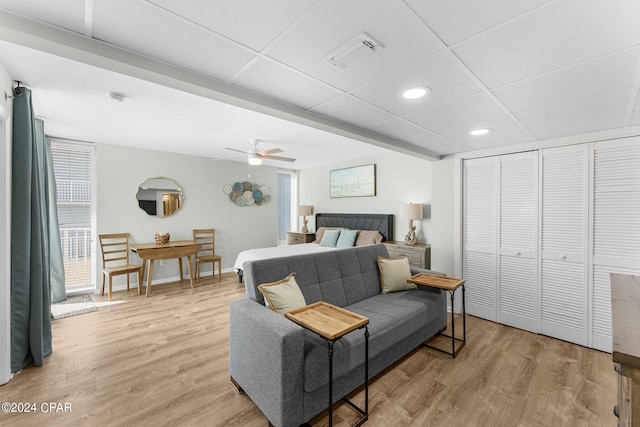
<point>150,31</point>
<point>68,14</point>
<point>353,110</point>
<point>527,70</point>
<point>269,78</point>
<point>254,24</point>
<point>331,23</point>
<point>457,20</point>
<point>562,34</point>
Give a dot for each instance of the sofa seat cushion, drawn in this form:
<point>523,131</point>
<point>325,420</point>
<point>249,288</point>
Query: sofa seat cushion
<point>392,318</point>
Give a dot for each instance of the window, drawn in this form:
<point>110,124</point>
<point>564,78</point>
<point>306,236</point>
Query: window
<point>74,170</point>
<point>287,201</point>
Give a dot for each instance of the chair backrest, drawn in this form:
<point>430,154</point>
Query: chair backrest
<point>207,237</point>
<point>115,249</point>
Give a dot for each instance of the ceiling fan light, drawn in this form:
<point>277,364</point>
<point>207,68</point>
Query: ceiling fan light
<point>254,159</point>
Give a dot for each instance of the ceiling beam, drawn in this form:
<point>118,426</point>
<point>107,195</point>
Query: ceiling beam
<point>66,44</point>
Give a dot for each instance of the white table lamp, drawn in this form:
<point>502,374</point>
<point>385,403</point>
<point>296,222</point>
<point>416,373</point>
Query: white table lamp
<point>411,211</point>
<point>304,211</point>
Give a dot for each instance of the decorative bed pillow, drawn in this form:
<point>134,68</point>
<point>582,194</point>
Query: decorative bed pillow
<point>394,273</point>
<point>283,295</point>
<point>330,238</point>
<point>368,237</point>
<point>347,238</point>
<point>320,233</point>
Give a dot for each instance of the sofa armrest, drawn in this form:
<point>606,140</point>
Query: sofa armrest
<point>266,358</point>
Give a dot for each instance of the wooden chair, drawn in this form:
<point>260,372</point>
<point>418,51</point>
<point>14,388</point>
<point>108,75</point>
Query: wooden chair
<point>115,260</point>
<point>207,237</point>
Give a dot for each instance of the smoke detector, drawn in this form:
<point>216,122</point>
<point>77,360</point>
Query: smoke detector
<point>116,96</point>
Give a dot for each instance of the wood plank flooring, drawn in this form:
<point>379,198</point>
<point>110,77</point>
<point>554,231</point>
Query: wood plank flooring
<point>163,360</point>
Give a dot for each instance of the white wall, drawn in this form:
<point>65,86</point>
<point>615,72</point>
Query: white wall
<point>6,112</point>
<point>121,170</point>
<point>399,179</point>
<point>443,184</point>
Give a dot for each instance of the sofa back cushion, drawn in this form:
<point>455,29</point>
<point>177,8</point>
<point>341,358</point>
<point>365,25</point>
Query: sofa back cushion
<point>341,277</point>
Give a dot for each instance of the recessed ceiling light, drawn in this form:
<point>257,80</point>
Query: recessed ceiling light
<point>416,92</point>
<point>477,132</point>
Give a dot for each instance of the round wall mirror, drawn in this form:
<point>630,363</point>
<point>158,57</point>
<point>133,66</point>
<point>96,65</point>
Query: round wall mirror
<point>160,197</point>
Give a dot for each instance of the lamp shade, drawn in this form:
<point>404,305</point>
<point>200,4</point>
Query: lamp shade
<point>412,211</point>
<point>305,210</point>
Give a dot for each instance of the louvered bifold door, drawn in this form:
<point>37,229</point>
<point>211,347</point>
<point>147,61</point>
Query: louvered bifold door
<point>616,227</point>
<point>480,230</point>
<point>563,282</point>
<point>518,270</point>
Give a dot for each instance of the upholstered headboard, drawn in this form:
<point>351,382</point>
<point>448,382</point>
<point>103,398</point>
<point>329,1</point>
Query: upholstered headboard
<point>381,222</point>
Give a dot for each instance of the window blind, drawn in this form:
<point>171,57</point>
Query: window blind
<point>74,170</point>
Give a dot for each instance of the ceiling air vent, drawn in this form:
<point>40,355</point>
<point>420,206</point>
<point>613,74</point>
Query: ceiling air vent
<point>360,46</point>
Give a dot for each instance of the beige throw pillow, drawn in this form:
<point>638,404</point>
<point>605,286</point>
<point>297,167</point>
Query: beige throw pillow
<point>368,237</point>
<point>394,273</point>
<point>283,295</point>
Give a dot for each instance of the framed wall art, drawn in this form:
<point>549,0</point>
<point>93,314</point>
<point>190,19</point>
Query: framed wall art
<point>358,181</point>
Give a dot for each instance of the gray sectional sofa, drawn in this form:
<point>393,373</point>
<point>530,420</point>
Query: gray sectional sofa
<point>283,368</point>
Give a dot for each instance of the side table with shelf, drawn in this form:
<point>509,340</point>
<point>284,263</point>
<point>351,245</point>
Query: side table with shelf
<point>419,255</point>
<point>296,238</point>
<point>450,285</point>
<point>332,323</point>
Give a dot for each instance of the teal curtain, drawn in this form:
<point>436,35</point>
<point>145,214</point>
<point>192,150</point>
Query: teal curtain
<point>33,196</point>
<point>56,260</point>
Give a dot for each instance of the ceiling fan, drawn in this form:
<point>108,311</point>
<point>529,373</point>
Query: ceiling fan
<point>255,157</point>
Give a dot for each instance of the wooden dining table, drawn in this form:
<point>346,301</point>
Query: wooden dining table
<point>149,252</point>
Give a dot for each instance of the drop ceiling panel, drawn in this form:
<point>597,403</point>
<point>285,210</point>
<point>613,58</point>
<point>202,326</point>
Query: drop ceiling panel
<point>230,18</point>
<point>150,31</point>
<point>586,115</point>
<point>573,83</point>
<point>436,143</point>
<point>273,79</point>
<point>398,128</point>
<point>352,110</point>
<point>504,131</point>
<point>67,14</point>
<point>463,111</point>
<point>457,20</point>
<point>553,37</point>
<point>331,23</point>
<point>445,79</point>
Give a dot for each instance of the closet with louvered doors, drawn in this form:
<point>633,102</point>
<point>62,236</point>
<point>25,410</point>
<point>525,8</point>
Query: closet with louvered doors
<point>587,226</point>
<point>564,229</point>
<point>500,238</point>
<point>616,228</point>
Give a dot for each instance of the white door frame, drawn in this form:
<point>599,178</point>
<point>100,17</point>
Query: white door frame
<point>5,248</point>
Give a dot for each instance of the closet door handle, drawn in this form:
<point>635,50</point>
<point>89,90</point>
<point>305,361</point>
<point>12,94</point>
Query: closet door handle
<point>518,253</point>
<point>563,257</point>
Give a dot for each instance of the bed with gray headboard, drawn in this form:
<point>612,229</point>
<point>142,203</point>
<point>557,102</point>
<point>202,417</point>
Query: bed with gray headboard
<point>382,223</point>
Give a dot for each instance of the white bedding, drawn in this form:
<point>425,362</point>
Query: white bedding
<point>279,252</point>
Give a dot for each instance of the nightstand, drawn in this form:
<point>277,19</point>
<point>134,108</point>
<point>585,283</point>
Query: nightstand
<point>295,238</point>
<point>419,255</point>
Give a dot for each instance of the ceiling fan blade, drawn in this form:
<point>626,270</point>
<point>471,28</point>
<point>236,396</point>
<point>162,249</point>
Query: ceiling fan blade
<point>215,159</point>
<point>267,152</point>
<point>282,159</point>
<point>233,149</point>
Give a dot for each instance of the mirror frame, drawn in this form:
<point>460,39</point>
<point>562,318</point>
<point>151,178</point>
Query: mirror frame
<point>178,190</point>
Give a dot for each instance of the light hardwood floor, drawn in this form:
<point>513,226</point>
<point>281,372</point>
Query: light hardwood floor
<point>163,360</point>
